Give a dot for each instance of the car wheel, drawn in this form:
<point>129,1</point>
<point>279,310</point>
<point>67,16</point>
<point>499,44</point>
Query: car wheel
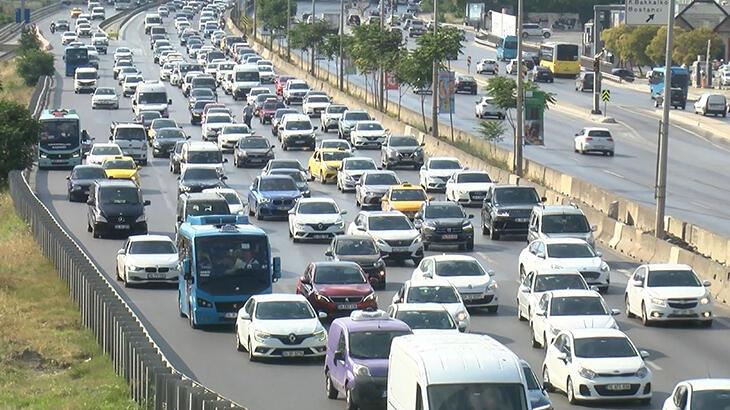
<point>191,317</point>
<point>117,272</point>
<point>519,313</point>
<point>644,316</point>
<point>492,309</point>
<point>535,343</point>
<point>349,401</point>
<point>329,388</point>
<point>251,357</point>
<point>322,179</point>
<point>569,392</point>
<point>493,234</point>
<point>239,346</point>
<point>485,230</point>
<point>259,216</point>
<point>627,309</point>
<point>470,246</point>
<point>546,380</point>
<point>95,232</point>
<point>124,279</point>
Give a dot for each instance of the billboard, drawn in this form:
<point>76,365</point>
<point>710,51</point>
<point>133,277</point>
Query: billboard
<point>391,82</point>
<point>446,92</point>
<point>503,24</point>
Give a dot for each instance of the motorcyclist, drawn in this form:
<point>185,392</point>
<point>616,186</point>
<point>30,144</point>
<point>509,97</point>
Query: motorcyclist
<point>53,26</point>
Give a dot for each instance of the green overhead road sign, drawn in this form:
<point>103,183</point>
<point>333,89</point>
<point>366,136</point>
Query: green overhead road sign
<point>606,95</point>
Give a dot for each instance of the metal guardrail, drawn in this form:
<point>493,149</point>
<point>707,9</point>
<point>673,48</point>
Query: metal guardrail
<point>9,31</point>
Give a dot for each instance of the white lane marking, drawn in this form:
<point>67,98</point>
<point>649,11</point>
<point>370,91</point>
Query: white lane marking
<point>700,204</point>
<point>653,365</point>
<point>614,174</point>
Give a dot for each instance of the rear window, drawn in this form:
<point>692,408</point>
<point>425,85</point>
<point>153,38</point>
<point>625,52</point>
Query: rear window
<point>599,133</point>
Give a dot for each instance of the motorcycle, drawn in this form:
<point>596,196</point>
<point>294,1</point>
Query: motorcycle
<point>53,28</point>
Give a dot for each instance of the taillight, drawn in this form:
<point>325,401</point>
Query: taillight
<point>610,140</point>
<point>589,138</point>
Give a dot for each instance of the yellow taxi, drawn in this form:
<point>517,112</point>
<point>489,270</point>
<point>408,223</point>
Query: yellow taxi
<point>75,12</point>
<point>324,164</point>
<point>405,197</point>
<point>120,167</point>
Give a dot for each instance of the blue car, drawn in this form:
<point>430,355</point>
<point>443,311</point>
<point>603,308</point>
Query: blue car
<point>272,196</point>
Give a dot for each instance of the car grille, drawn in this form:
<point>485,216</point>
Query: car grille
<point>407,155</point>
<point>319,226</point>
<point>372,138</point>
<point>282,201</point>
<point>291,339</point>
<point>229,306</point>
<point>682,303</point>
<point>477,195</point>
<point>603,390</point>
<point>448,229</point>
<point>59,156</point>
<point>405,242</point>
<point>346,299</point>
<point>479,301</point>
<point>615,374</point>
<point>587,275</point>
<point>154,270</point>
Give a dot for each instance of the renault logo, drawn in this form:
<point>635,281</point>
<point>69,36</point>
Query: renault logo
<point>292,338</point>
<point>347,299</point>
<point>121,219</point>
<point>320,226</point>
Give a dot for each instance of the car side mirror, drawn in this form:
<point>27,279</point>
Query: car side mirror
<point>706,283</point>
<point>225,160</point>
<point>428,275</point>
<point>121,252</point>
<point>594,228</point>
<point>329,253</point>
<point>540,313</point>
<point>644,354</point>
<point>187,274</point>
<point>68,178</point>
<point>599,254</point>
<point>224,178</point>
<point>277,269</point>
<point>244,316</point>
<point>147,202</point>
<point>89,201</point>
<point>462,326</point>
<point>134,102</point>
<point>339,356</point>
<point>525,289</point>
<point>540,255</point>
<point>615,312</point>
<point>637,283</point>
<point>470,216</point>
<point>562,357</point>
<point>491,272</point>
<point>322,315</point>
<point>543,199</point>
<point>343,212</point>
<point>169,102</point>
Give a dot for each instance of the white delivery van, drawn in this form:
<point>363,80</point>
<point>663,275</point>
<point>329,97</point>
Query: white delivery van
<point>151,20</point>
<point>132,139</point>
<point>151,96</point>
<point>202,154</point>
<point>244,78</point>
<point>85,79</point>
<point>459,371</point>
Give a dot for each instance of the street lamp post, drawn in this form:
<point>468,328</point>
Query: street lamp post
<point>341,78</point>
<point>381,99</point>
<point>517,165</point>
<point>288,29</point>
<point>434,80</point>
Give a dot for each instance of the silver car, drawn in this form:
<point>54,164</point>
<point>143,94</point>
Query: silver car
<point>105,97</point>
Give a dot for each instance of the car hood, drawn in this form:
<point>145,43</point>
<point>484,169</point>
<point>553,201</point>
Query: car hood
<point>518,208</point>
<point>678,292</point>
<point>121,173</point>
<point>376,188</point>
<point>254,150</point>
<point>83,182</point>
<point>369,133</point>
<point>200,182</point>
<point>152,260</point>
<point>314,219</point>
<point>473,186</point>
<point>577,263</point>
<point>406,205</point>
<point>360,259</point>
<point>348,123</point>
<point>111,210</point>
<point>286,327</point>
<point>355,172</point>
<point>395,235</point>
<point>280,194</point>
<point>612,365</point>
<point>317,104</point>
<point>104,97</point>
<point>583,322</point>
<point>447,222</point>
<point>469,284</point>
<point>360,289</point>
<point>440,172</point>
<point>151,107</point>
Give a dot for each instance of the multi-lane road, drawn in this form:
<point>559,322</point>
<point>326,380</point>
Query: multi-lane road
<point>210,355</point>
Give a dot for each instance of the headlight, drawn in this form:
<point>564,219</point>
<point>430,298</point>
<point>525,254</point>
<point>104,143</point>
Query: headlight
<point>380,262</point>
<point>264,200</point>
<point>360,370</point>
<point>349,177</point>
<point>320,335</point>
<point>467,226</point>
<point>369,297</point>
<point>134,268</point>
<point>76,155</point>
<point>642,372</point>
<point>605,267</point>
<point>705,300</point>
<point>381,242</point>
<point>156,144</point>
<point>554,330</point>
<point>417,240</point>
<point>44,155</point>
<point>203,303</point>
<point>184,188</point>
<point>341,224</point>
<point>658,302</point>
<point>586,373</point>
<point>323,298</point>
<point>492,285</point>
<point>261,336</point>
<point>100,218</point>
<point>503,214</point>
<point>299,225</point>
<point>429,225</point>
<point>141,218</point>
<point>461,316</point>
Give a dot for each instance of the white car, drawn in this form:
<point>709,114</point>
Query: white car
<point>314,105</point>
<point>351,170</point>
<point>68,37</point>
<point>369,134</point>
<point>316,219</point>
<point>486,107</point>
<point>468,187</point>
<point>436,171</point>
<point>475,284</point>
<point>330,117</point>
<point>711,103</point>
<point>592,139</point>
<point>280,325</point>
<point>255,92</point>
<point>535,30</point>
<point>170,57</point>
<point>129,86</point>
<point>148,259</point>
<point>105,97</point>
<point>266,74</point>
<point>166,71</point>
<point>122,53</point>
<point>536,283</point>
<point>488,65</point>
<point>230,134</point>
<point>235,204</point>
<point>560,310</point>
<point>597,365</point>
<point>426,318</point>
<point>566,253</point>
<point>393,233</point>
<point>668,292</point>
<point>372,186</point>
<point>436,291</point>
<point>101,151</point>
<point>699,394</point>
<point>213,125</point>
<point>294,91</point>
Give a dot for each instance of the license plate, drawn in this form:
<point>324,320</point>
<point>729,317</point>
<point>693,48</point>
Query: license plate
<point>521,219</point>
<point>478,197</point>
<point>471,296</point>
<point>58,161</point>
<point>230,315</point>
<point>121,226</point>
<point>618,387</point>
<point>292,353</point>
<point>156,275</point>
<point>320,236</point>
<point>683,311</point>
<point>400,249</point>
<point>449,237</point>
<point>347,306</point>
<point>283,207</point>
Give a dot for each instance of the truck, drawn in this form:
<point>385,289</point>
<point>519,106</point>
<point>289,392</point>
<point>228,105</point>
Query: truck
<point>474,15</point>
<point>332,20</point>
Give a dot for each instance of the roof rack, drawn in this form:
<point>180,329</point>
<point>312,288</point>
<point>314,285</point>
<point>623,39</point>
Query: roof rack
<point>364,315</point>
<point>227,223</point>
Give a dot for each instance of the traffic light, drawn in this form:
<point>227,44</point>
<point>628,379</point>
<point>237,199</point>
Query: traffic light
<point>596,64</point>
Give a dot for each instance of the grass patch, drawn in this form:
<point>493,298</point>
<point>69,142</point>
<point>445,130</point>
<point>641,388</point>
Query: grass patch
<point>13,87</point>
<point>7,9</point>
<point>48,360</point>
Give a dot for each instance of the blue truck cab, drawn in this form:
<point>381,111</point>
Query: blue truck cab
<point>507,48</point>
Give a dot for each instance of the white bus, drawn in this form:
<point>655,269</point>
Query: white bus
<point>123,4</point>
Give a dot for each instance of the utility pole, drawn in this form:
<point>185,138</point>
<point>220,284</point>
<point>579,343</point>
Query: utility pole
<point>313,51</point>
<point>597,55</point>
<point>381,80</point>
<point>253,32</point>
<point>435,80</point>
<point>708,77</point>
<point>341,78</point>
<point>288,29</point>
<point>517,166</point>
<point>661,177</point>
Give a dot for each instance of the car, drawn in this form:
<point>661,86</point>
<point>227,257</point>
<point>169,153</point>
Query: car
<point>298,178</point>
<point>697,394</point>
<point>315,219</point>
<point>561,310</point>
<point>217,108</point>
<point>297,131</point>
<point>260,100</point>
<point>363,251</point>
<point>324,164</point>
<point>196,178</point>
<point>476,285</point>
<point>282,163</point>
<point>506,210</point>
<point>252,150</point>
<point>280,325</point>
<point>444,223</point>
<point>100,151</point>
<point>426,318</point>
<point>121,198</point>
<point>330,116</point>
<point>158,124</point>
<point>230,133</point>
<point>666,293</point>
<point>624,74</point>
<point>487,107</point>
<point>536,283</point>
<point>213,125</point>
<point>121,71</point>
<point>435,291</point>
<point>68,37</point>
<point>584,81</point>
<point>266,73</point>
<point>268,110</point>
<point>371,187</point>
<point>123,53</point>
<point>559,221</point>
<point>98,13</point>
<point>294,91</point>
<point>62,25</point>
<point>540,74</point>
<point>350,171</point>
<point>711,103</point>
<point>466,83</point>
<point>511,67</point>
<point>406,198</point>
<point>395,235</point>
<point>272,196</point>
<point>276,119</point>
<point>80,179</point>
<point>399,150</point>
<point>75,12</point>
<point>105,97</point>
<point>196,110</point>
<point>201,94</point>
<point>566,253</point>
<point>121,167</point>
<point>488,65</point>
<point>368,134</point>
<point>255,92</point>
<point>468,187</point>
<point>539,399</point>
<point>593,139</point>
<point>165,139</point>
<point>436,171</point>
<point>315,105</point>
<point>336,288</point>
<point>348,121</point>
<point>199,204</point>
<point>534,29</point>
<point>145,118</point>
<point>147,259</point>
<point>235,204</point>
<point>597,365</point>
<point>130,83</point>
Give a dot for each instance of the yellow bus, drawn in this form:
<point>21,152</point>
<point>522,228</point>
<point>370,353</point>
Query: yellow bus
<point>560,58</point>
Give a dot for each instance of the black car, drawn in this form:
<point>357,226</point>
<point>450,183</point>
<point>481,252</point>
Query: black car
<point>80,180</point>
<point>507,208</point>
<point>399,150</point>
<point>252,151</point>
<point>196,179</point>
<point>198,94</point>
<point>116,206</point>
<point>176,156</point>
<point>363,251</point>
<point>445,223</point>
<point>466,83</point>
<point>165,140</point>
<point>196,110</point>
<point>541,75</point>
<point>623,73</point>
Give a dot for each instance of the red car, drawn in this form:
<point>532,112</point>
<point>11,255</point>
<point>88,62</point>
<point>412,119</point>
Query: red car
<point>268,109</point>
<point>336,288</point>
<point>280,82</point>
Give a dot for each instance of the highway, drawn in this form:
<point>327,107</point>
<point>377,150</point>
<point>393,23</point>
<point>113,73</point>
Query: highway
<point>209,355</point>
<point>696,191</point>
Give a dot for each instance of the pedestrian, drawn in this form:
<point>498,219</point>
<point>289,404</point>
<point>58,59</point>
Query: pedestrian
<point>247,115</point>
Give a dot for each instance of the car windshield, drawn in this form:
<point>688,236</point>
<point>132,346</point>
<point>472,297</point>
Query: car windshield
<point>280,112</point>
<point>89,173</point>
<point>299,86</point>
<point>338,275</point>
<point>253,143</point>
<point>516,196</point>
<point>263,97</point>
<point>163,123</point>
<point>106,151</point>
<point>570,250</point>
<point>459,268</point>
<point>373,344</point>
<point>357,116</point>
<point>364,246</point>
<point>148,116</point>
<point>360,164</point>
<point>369,126</point>
<point>151,248</point>
<point>532,383</point>
<point>207,207</point>
<point>473,177</point>
<point>152,98</point>
<point>313,208</point>
<point>432,294</point>
<point>230,197</point>
<point>217,119</point>
<point>105,91</point>
<point>444,164</point>
<point>335,155</point>
<point>389,223</point>
<point>277,184</point>
<point>600,133</point>
<point>170,133</point>
<point>131,134</point>
<point>604,347</point>
<point>467,79</point>
<point>272,105</point>
<point>335,144</point>
<point>545,283</point>
<point>381,179</point>
<point>318,99</point>
<point>119,164</point>
<point>202,93</point>
<point>443,211</point>
<point>86,75</point>
<point>571,223</point>
<point>672,278</point>
<point>199,105</point>
<point>292,164</point>
<point>295,174</point>
<point>119,195</point>
<point>577,306</point>
<point>477,396</point>
<point>204,157</point>
<point>336,109</point>
<point>200,173</point>
<point>283,311</point>
<point>710,400</point>
<point>298,125</point>
<point>427,319</point>
<point>407,195</point>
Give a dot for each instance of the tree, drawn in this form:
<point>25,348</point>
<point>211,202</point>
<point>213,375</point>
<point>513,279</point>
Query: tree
<point>29,40</point>
<point>18,136</point>
<point>492,131</point>
<point>689,44</point>
<point>372,49</point>
<point>308,37</point>
<point>414,70</point>
<point>636,42</point>
<point>445,44</point>
<point>33,64</point>
<point>504,92</point>
<point>273,15</point>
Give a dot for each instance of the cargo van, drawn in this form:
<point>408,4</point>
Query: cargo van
<point>244,78</point>
<point>132,139</point>
<point>151,96</point>
<point>85,79</point>
<point>151,20</point>
<point>459,371</point>
<point>202,154</point>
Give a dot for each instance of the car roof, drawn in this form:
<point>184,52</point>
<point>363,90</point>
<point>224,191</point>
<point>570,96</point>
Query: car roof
<point>550,241</point>
<point>104,145</point>
<point>563,293</point>
<point>437,281</point>
<point>279,297</point>
<point>597,129</point>
<point>315,199</point>
<point>371,214</point>
<point>443,158</point>
<point>667,266</point>
<point>202,146</point>
<point>558,210</point>
<point>709,384</point>
<point>140,238</point>
<point>420,307</point>
<point>443,203</point>
<point>386,323</point>
<point>451,257</point>
<point>121,183</point>
<point>201,196</point>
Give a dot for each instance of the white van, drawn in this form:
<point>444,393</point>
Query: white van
<point>85,79</point>
<point>151,96</point>
<point>202,154</point>
<point>244,78</point>
<point>151,20</point>
<point>711,103</point>
<point>459,371</point>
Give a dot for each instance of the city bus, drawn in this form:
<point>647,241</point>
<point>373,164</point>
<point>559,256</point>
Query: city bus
<point>679,80</point>
<point>562,59</point>
<point>224,261</point>
<point>59,143</point>
<point>75,57</point>
<point>123,5</point>
<point>507,48</point>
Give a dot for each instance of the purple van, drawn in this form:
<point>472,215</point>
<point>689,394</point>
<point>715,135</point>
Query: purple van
<point>356,363</point>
